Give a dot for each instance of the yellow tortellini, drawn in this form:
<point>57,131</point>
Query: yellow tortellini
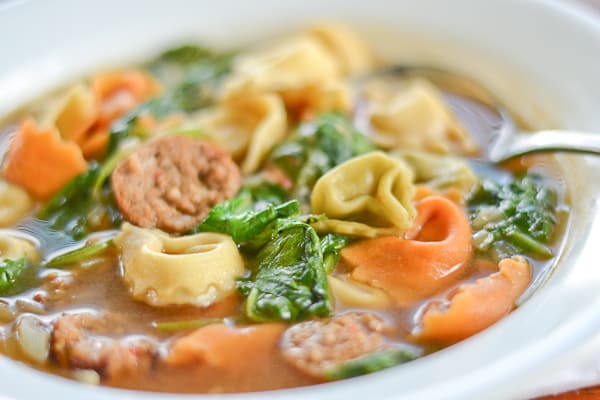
<point>349,50</point>
<point>15,203</point>
<point>246,127</point>
<point>72,113</point>
<point>439,172</point>
<point>355,294</point>
<point>411,114</point>
<point>161,270</point>
<point>292,63</point>
<point>367,196</point>
<point>300,69</point>
<point>14,246</point>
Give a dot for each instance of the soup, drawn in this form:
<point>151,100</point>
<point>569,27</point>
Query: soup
<point>259,219</point>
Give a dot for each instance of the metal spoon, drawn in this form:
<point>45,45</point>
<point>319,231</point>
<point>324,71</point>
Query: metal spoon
<point>489,123</point>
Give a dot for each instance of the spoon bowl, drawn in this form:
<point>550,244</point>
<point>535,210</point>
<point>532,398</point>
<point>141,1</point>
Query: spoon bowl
<point>490,125</point>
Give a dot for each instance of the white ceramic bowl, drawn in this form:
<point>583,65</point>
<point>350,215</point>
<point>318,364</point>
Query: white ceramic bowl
<point>542,58</point>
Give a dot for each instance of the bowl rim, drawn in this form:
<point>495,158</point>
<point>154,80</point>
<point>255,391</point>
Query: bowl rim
<point>536,353</point>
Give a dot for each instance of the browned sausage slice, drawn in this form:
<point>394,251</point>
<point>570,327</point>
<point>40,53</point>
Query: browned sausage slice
<point>315,347</point>
<point>172,183</point>
<point>73,345</point>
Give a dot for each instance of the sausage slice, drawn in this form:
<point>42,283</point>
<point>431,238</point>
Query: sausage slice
<point>74,345</point>
<point>314,347</point>
<point>172,183</point>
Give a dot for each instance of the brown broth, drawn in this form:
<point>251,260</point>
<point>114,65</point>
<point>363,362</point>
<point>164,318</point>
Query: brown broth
<point>99,287</point>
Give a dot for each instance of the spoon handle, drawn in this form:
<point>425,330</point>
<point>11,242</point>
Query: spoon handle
<point>544,141</point>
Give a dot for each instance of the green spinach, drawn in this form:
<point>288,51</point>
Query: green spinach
<point>246,216</point>
<point>69,211</point>
<point>518,217</point>
<point>331,244</point>
<point>315,148</point>
<point>127,126</point>
<point>289,281</point>
<point>191,76</point>
<point>80,254</point>
<point>370,363</point>
<point>17,275</point>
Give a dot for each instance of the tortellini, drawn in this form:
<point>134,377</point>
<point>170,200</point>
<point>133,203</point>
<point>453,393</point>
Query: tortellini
<point>411,114</point>
<point>300,70</point>
<point>472,307</point>
<point>439,172</point>
<point>13,247</point>
<point>73,113</point>
<point>15,203</point>
<point>161,270</point>
<point>293,63</point>
<point>84,112</point>
<point>350,52</point>
<point>367,196</point>
<point>247,127</point>
<point>355,294</point>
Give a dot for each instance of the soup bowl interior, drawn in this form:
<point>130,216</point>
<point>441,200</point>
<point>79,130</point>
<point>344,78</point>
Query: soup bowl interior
<point>549,80</point>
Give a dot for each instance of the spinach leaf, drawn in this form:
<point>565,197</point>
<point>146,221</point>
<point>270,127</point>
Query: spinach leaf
<point>10,271</point>
<point>199,85</point>
<point>518,217</point>
<point>70,209</point>
<point>315,148</point>
<point>127,126</point>
<point>185,54</point>
<point>80,254</point>
<point>370,363</point>
<point>246,216</point>
<point>331,244</point>
<point>289,282</point>
<point>191,76</point>
<point>264,193</point>
<point>17,275</point>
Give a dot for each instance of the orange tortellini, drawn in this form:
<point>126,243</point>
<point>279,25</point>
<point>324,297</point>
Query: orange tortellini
<point>83,113</point>
<point>429,257</point>
<point>368,196</point>
<point>473,307</point>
